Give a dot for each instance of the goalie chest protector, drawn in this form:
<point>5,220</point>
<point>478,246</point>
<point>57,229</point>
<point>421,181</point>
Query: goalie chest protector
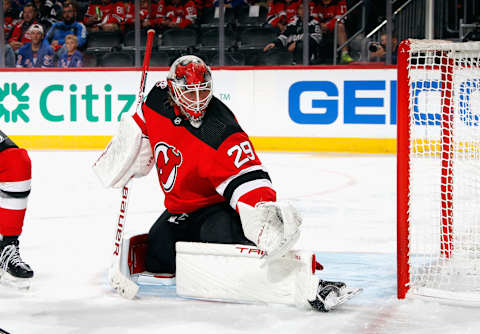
<point>193,163</point>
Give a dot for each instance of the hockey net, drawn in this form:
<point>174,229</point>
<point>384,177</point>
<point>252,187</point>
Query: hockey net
<point>438,170</point>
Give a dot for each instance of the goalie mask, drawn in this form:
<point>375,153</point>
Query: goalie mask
<point>190,87</point>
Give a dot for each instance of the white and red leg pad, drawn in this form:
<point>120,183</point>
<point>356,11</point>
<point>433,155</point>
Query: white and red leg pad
<point>132,262</point>
<point>234,273</point>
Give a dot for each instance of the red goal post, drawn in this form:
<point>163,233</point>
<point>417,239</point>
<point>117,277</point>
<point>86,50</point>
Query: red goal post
<point>438,169</point>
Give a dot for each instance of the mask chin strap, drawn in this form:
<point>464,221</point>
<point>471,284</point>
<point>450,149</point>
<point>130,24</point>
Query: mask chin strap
<point>195,122</point>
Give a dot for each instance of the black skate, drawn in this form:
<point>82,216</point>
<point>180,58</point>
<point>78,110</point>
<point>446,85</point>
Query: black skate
<point>13,270</point>
<point>332,294</point>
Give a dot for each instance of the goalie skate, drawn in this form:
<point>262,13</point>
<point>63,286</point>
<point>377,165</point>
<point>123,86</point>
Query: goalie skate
<point>331,295</point>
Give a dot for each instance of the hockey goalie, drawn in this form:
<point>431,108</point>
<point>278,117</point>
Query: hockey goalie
<point>223,235</point>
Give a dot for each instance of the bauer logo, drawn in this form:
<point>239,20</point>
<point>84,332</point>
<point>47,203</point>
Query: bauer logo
<point>63,103</point>
<point>363,102</point>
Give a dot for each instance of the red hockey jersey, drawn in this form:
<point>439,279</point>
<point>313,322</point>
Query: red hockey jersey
<point>146,13</point>
<point>329,13</point>
<point>198,167</point>
<point>183,15</point>
<point>113,12</point>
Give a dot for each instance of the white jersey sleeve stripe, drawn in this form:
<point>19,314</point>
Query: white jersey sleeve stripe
<point>247,187</point>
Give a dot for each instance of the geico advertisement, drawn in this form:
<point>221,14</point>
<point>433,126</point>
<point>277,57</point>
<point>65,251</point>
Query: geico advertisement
<point>297,103</point>
<point>328,103</point>
<point>427,102</point>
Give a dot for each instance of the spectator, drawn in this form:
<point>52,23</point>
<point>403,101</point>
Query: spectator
<point>49,12</point>
<point>327,12</point>
<point>276,14</point>
<point>35,53</point>
<point>290,11</point>
<point>10,18</point>
<point>18,5</point>
<point>180,14</point>
<point>9,56</point>
<point>159,14</point>
<point>147,14</point>
<point>379,50</point>
<point>72,57</point>
<point>56,34</point>
<point>291,38</point>
<point>107,16</point>
<point>205,10</point>
<point>20,34</point>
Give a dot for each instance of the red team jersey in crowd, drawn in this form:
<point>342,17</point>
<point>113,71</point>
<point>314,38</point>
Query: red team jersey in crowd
<point>145,13</point>
<point>276,9</point>
<point>198,167</point>
<point>20,32</point>
<point>8,24</point>
<point>328,14</point>
<point>291,9</point>
<point>202,4</point>
<point>159,12</point>
<point>182,15</point>
<point>113,12</point>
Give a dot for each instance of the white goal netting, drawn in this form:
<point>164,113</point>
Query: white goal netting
<point>444,189</point>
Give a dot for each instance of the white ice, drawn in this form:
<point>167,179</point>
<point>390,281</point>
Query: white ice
<point>348,204</point>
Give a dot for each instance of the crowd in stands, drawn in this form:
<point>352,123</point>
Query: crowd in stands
<point>61,33</point>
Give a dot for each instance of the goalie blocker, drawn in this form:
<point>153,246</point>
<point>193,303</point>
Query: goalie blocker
<point>233,273</point>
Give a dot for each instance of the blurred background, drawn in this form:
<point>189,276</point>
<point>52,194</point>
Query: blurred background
<point>111,33</point>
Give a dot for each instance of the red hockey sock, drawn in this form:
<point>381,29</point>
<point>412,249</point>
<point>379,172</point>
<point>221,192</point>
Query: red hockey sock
<point>15,175</point>
<point>11,221</point>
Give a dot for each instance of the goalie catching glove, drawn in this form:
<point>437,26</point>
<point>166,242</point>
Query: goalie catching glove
<point>128,155</point>
<point>272,226</point>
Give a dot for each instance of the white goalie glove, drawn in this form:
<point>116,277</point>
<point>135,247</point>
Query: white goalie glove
<point>128,155</point>
<point>272,226</point>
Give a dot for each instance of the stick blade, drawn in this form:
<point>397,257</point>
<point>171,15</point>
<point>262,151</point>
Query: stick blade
<point>123,285</point>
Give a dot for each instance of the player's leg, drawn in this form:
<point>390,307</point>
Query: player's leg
<point>221,224</point>
<point>164,233</point>
<point>218,223</point>
<point>15,178</point>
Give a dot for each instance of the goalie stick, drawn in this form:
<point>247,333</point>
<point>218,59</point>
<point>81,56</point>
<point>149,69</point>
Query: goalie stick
<point>120,282</point>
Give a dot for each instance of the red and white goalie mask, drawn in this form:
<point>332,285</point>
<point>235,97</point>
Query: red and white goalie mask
<point>190,86</point>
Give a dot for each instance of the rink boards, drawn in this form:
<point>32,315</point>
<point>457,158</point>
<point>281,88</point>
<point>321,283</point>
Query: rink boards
<point>317,108</point>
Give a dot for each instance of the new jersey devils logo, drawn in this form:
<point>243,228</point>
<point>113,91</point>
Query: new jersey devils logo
<point>168,159</point>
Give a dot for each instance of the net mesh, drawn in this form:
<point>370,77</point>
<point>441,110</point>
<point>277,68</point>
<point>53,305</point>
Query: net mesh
<point>444,193</point>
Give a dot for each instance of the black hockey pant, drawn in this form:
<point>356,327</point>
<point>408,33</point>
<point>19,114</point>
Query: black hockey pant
<point>218,223</point>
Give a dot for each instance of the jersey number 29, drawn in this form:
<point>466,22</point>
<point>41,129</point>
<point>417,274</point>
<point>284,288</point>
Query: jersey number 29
<point>243,148</point>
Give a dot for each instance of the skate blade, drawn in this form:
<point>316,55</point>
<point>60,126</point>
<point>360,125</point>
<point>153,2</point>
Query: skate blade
<point>347,294</point>
<point>15,282</point>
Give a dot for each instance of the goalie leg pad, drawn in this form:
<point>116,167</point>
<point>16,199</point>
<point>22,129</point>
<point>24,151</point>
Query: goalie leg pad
<point>233,273</point>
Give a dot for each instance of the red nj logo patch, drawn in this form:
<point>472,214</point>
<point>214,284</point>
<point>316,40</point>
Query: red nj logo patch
<point>168,160</point>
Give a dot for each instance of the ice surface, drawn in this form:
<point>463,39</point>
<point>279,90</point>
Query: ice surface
<point>348,204</point>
